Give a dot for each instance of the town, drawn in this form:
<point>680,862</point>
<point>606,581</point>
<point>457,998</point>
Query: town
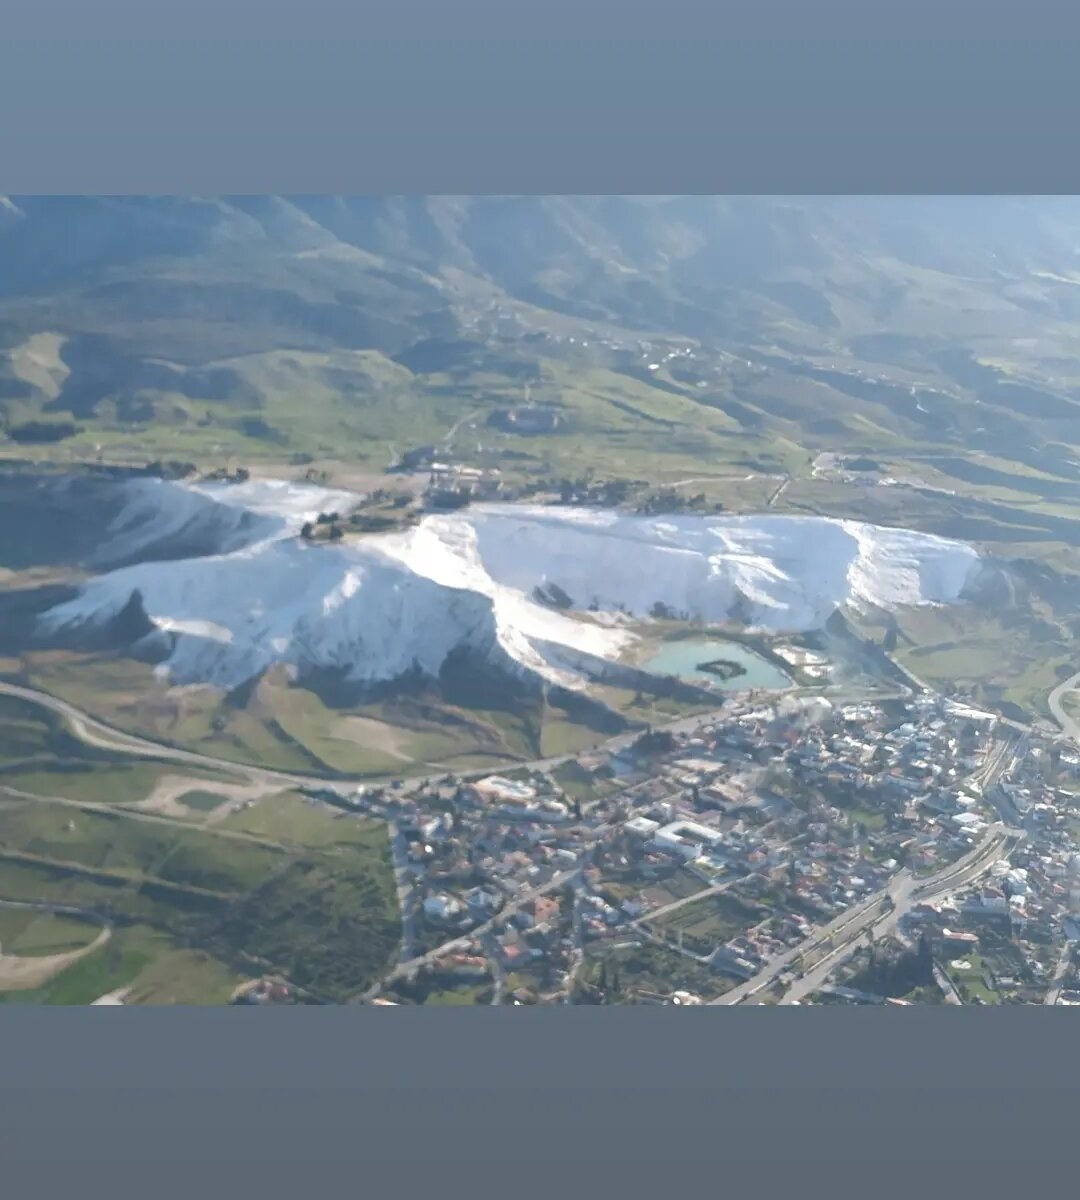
<point>906,848</point>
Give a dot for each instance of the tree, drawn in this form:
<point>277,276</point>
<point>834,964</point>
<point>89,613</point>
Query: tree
<point>308,531</point>
<point>336,533</point>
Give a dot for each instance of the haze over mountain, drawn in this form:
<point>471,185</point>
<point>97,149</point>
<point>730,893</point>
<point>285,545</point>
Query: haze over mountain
<point>133,313</point>
<point>371,271</point>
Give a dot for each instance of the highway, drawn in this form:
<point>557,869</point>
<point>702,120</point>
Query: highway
<point>905,894</point>
<point>853,924</point>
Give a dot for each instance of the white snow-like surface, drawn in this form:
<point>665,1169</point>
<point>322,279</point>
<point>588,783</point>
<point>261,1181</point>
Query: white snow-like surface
<point>232,515</point>
<point>379,606</point>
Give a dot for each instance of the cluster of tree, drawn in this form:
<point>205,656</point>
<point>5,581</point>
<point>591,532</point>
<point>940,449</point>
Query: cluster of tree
<point>42,431</point>
<point>172,469</point>
<point>671,500</point>
<point>383,497</point>
<point>654,741</point>
<point>225,475</point>
<point>325,525</point>
<point>417,988</point>
<point>892,972</point>
<point>664,612</point>
<point>608,493</point>
<point>450,498</point>
<point>604,989</point>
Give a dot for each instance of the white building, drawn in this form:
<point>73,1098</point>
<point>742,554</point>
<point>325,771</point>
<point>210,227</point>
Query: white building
<point>441,907</point>
<point>495,787</point>
<point>686,838</point>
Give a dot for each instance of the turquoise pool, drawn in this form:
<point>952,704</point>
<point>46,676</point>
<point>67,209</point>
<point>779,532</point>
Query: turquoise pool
<point>681,658</point>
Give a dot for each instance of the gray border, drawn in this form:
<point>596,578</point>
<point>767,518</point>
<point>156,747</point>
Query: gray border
<point>751,1091</point>
<point>336,97</point>
<point>492,95</point>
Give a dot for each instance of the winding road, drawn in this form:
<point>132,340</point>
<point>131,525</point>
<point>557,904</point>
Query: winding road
<point>1070,727</point>
<point>96,732</point>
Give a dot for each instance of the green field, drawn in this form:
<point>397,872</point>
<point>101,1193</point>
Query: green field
<point>678,886</point>
<point>632,969</point>
<point>461,722</point>
<point>970,983</point>
<point>318,906</point>
<point>152,967</point>
<point>709,922</point>
<point>201,802</point>
<point>26,932</point>
<point>40,755</point>
<point>1008,661</point>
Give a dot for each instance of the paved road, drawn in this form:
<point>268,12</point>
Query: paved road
<point>948,989</point>
<point>771,503</point>
<point>869,921</point>
<point>1054,991</point>
<point>95,732</point>
<point>99,733</point>
<point>577,954</point>
<point>405,891</point>
<point>854,923</point>
<point>479,931</point>
<point>905,894</point>
<point>1069,726</point>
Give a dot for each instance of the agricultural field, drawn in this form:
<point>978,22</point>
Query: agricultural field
<point>624,973</point>
<point>704,924</point>
<point>298,889</point>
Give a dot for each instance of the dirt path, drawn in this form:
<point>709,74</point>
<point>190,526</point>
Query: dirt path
<point>18,973</point>
<point>165,798</point>
<point>387,739</point>
<point>117,997</point>
<point>132,813</point>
